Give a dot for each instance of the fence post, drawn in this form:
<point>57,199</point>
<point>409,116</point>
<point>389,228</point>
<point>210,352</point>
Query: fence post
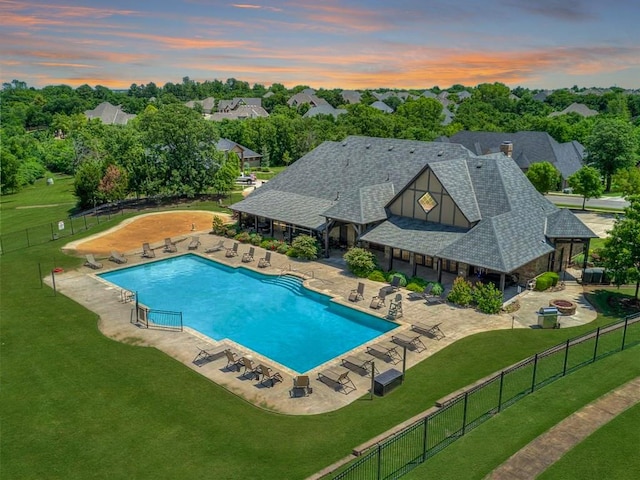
<point>52,232</point>
<point>53,281</point>
<point>84,217</point>
<point>71,222</point>
<point>500,393</point>
<point>181,322</point>
<point>379,461</point>
<point>424,440</point>
<point>27,232</point>
<point>1,248</point>
<point>566,358</point>
<point>464,413</point>
<point>535,367</point>
<point>624,332</point>
<point>595,347</point>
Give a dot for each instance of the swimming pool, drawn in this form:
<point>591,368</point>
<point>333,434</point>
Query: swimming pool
<point>274,316</point>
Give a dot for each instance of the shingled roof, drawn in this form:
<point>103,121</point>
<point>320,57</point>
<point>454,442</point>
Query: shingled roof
<point>354,180</point>
<point>528,148</point>
<point>109,114</point>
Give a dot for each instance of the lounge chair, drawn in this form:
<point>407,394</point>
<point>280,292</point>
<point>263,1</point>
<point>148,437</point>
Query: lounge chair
<point>385,349</point>
<point>233,251</point>
<point>216,248</point>
<point>378,301</point>
<point>117,258</point>
<point>249,367</point>
<point>410,341</point>
<point>395,283</point>
<point>301,382</point>
<point>265,261</point>
<point>91,262</point>
<point>357,293</point>
<point>340,377</point>
<point>194,243</point>
<point>422,295</point>
<point>268,374</point>
<point>206,354</point>
<point>147,251</point>
<point>360,362</point>
<point>248,256</point>
<point>395,308</point>
<point>233,359</point>
<point>435,299</point>
<point>169,246</point>
<point>432,331</point>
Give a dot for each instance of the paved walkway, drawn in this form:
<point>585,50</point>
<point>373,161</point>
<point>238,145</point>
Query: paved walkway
<point>549,447</point>
<point>327,276</point>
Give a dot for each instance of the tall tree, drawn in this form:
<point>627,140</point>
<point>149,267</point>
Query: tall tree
<point>611,147</point>
<point>621,251</point>
<point>543,176</point>
<point>586,182</point>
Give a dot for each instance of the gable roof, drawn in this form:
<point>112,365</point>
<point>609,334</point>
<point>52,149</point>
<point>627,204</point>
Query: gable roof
<point>207,104</point>
<point>303,98</point>
<point>355,180</point>
<point>383,107</point>
<point>239,113</point>
<point>528,148</point>
<point>324,110</point>
<point>351,96</point>
<point>579,108</point>
<point>226,145</point>
<point>109,114</point>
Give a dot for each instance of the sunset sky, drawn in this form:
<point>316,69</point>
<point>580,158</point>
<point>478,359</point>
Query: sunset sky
<point>322,43</point>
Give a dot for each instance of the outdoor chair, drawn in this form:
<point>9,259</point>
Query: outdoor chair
<point>435,299</point>
<point>339,377</point>
<point>268,374</point>
<point>385,349</point>
<point>194,243</point>
<point>215,248</point>
<point>169,246</point>
<point>233,359</point>
<point>422,295</point>
<point>265,261</point>
<point>378,301</point>
<point>206,354</point>
<point>432,331</point>
<point>249,367</point>
<point>412,342</point>
<point>395,283</point>
<point>233,251</point>
<point>147,251</point>
<point>91,262</point>
<point>360,362</point>
<point>117,258</point>
<point>395,308</point>
<point>301,382</point>
<point>357,293</point>
<point>248,256</point>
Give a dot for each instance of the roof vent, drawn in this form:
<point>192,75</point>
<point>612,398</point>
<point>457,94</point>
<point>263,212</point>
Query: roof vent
<point>412,150</point>
<point>337,195</point>
<point>344,144</point>
<point>367,146</point>
<point>440,153</point>
<point>388,176</point>
<point>478,165</point>
<point>391,148</point>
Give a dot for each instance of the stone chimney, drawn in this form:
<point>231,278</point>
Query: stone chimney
<point>507,148</point>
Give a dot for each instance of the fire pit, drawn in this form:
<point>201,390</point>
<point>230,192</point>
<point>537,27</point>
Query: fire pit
<point>565,307</point>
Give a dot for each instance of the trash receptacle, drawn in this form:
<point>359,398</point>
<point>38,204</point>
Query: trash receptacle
<point>548,317</point>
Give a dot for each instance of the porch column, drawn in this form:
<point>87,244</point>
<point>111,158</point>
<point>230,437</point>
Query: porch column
<point>439,269</point>
<point>502,282</point>
<point>255,223</point>
<point>412,262</point>
<point>586,254</point>
<point>388,257</point>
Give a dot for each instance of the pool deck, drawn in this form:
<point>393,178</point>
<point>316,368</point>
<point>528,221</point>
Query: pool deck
<point>327,276</point>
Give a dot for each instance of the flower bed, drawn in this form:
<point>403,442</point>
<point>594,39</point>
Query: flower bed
<point>565,307</point>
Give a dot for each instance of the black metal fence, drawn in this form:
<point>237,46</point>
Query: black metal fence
<point>157,319</point>
<point>415,444</point>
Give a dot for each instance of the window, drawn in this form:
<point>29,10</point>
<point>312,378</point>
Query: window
<point>427,202</point>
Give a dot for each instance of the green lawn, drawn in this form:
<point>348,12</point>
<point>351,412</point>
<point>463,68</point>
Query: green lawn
<point>78,405</point>
<point>475,455</point>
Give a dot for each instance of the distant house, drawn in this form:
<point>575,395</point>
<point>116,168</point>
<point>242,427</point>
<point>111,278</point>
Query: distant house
<point>208,104</point>
<point>383,107</point>
<point>240,112</point>
<point>542,95</point>
<point>403,96</point>
<point>109,114</point>
<point>237,102</point>
<point>306,99</point>
<point>578,108</point>
<point>351,96</point>
<point>463,95</point>
<point>324,110</point>
<point>526,148</point>
<point>248,158</point>
<point>435,207</point>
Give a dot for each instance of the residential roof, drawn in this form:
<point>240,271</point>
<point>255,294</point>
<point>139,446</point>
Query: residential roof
<point>207,104</point>
<point>109,114</point>
<point>226,145</point>
<point>355,180</point>
<point>239,113</point>
<point>528,148</point>
<point>324,110</point>
<point>238,102</point>
<point>302,98</point>
<point>383,107</point>
<point>578,108</point>
<point>351,96</point>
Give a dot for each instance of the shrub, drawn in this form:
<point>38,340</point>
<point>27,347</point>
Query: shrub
<point>283,248</point>
<point>437,289</point>
<point>403,278</point>
<point>360,262</point>
<point>461,292</point>
<point>305,247</point>
<point>231,232</point>
<point>218,226</point>
<point>377,276</point>
<point>488,298</point>
<point>546,280</point>
<point>243,237</point>
<point>255,239</point>
<point>414,287</point>
<point>421,282</point>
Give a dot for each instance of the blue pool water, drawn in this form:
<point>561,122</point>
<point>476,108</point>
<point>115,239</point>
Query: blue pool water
<point>274,316</point>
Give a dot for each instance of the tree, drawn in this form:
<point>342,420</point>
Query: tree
<point>9,167</point>
<point>611,147</point>
<point>586,182</point>
<point>621,251</point>
<point>114,184</point>
<point>627,181</point>
<point>86,183</point>
<point>543,176</point>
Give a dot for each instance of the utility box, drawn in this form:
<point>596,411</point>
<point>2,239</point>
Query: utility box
<point>594,275</point>
<point>387,381</point>
<point>548,317</point>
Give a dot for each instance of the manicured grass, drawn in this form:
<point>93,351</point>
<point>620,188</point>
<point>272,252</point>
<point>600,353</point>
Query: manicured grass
<point>483,449</point>
<point>618,459</point>
<point>78,405</point>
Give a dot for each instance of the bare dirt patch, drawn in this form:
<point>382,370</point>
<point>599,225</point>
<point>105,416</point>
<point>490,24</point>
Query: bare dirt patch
<point>152,228</point>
